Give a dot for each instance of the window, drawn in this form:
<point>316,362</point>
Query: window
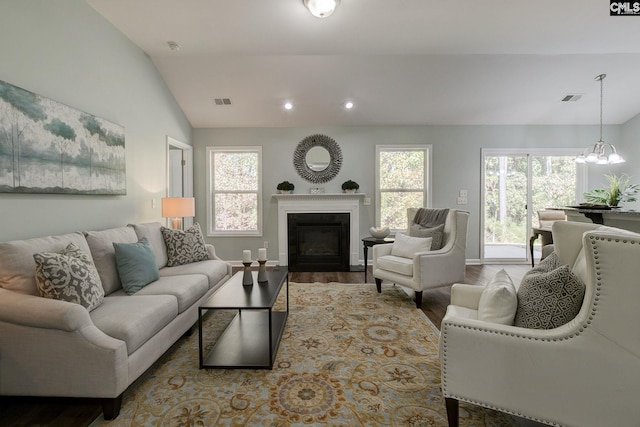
<point>402,181</point>
<point>234,189</point>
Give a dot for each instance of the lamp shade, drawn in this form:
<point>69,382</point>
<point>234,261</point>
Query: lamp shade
<point>178,207</point>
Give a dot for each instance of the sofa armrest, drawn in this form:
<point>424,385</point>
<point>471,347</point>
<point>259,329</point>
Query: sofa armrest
<point>38,312</point>
<point>211,250</point>
<point>467,296</point>
<point>38,333</point>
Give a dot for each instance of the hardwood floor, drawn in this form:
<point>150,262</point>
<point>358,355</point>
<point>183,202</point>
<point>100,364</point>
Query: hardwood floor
<point>62,412</point>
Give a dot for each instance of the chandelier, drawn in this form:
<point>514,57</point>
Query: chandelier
<point>600,153</point>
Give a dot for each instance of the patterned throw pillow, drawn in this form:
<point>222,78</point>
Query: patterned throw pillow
<point>69,276</point>
<point>436,234</point>
<point>184,247</point>
<point>549,300</point>
<point>548,264</point>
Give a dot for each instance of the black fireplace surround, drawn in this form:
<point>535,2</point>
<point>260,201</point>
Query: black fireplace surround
<point>318,241</point>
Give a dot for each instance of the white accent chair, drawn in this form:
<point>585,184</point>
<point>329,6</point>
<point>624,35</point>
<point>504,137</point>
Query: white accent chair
<point>426,270</point>
<point>584,373</point>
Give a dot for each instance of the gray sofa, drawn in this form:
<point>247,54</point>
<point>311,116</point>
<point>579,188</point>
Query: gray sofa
<point>50,347</point>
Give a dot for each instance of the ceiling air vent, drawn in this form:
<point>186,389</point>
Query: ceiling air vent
<point>222,101</point>
<point>572,97</point>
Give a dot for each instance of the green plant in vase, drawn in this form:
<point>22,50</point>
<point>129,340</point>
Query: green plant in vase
<point>285,187</point>
<point>350,186</point>
<point>620,191</point>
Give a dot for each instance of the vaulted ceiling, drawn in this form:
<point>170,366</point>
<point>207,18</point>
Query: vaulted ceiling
<point>401,62</point>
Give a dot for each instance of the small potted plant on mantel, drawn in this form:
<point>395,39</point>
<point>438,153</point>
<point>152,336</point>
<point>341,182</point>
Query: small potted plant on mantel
<point>350,186</point>
<point>285,187</point>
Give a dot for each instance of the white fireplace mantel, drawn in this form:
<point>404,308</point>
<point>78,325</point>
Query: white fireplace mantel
<point>314,203</point>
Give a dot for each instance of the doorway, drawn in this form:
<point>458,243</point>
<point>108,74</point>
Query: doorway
<point>516,184</point>
<point>179,172</point>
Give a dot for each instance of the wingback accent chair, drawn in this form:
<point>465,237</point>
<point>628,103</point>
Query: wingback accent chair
<point>430,269</point>
<point>583,373</point>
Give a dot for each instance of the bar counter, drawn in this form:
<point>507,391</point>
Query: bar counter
<point>619,218</point>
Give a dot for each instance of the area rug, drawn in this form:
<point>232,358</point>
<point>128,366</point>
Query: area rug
<point>349,357</point>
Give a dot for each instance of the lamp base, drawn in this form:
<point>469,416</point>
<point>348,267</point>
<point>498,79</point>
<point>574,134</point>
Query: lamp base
<point>176,223</point>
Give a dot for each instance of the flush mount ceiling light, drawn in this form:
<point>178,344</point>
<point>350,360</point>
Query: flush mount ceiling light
<point>597,153</point>
<point>321,8</point>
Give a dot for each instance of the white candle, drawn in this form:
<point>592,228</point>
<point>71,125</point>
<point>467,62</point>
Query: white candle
<point>262,254</point>
<point>246,256</point>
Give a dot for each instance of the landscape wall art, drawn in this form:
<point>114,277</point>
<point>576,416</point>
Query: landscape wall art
<point>48,147</point>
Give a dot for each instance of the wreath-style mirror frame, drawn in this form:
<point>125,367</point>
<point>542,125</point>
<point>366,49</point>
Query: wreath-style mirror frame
<point>300,159</point>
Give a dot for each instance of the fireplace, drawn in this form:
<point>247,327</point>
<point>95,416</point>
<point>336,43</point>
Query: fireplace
<point>346,203</point>
<point>318,241</point>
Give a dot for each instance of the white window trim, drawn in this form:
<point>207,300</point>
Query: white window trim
<point>428,149</point>
<point>210,200</point>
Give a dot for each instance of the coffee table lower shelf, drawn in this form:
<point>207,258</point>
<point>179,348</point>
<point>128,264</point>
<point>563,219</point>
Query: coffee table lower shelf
<point>245,343</point>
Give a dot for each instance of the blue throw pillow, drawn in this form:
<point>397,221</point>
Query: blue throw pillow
<point>136,264</point>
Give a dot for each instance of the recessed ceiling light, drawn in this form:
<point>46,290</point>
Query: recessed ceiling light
<point>174,46</point>
<point>288,106</point>
<point>348,105</point>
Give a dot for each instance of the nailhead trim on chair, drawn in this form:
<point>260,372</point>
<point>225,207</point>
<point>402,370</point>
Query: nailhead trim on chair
<point>595,301</point>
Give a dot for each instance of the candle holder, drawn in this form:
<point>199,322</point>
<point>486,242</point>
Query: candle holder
<point>247,278</point>
<point>262,271</point>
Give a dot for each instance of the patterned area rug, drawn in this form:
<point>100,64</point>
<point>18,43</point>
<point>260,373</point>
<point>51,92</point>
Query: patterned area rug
<point>349,357</point>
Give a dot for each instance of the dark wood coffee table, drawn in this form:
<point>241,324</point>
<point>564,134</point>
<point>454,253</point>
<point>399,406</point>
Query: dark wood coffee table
<point>252,338</point>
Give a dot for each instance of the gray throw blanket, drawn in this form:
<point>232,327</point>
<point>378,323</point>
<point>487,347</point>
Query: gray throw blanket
<point>430,218</point>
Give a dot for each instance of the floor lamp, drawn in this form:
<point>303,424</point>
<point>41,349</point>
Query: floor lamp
<point>177,208</point>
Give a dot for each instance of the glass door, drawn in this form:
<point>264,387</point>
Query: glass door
<point>505,207</point>
<point>516,185</point>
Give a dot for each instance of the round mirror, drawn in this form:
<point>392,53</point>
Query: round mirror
<point>317,158</point>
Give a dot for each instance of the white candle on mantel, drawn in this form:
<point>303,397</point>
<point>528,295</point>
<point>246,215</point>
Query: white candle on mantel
<point>262,254</point>
<point>246,255</point>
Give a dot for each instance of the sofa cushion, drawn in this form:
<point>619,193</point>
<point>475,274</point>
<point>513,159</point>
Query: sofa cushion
<point>134,319</point>
<point>186,288</point>
<point>101,245</point>
<point>549,300</point>
<point>499,301</point>
<point>17,266</point>
<point>406,246</point>
<point>136,265</point>
<point>436,233</point>
<point>400,265</point>
<point>151,230</point>
<point>215,270</point>
<point>69,275</point>
<point>184,247</point>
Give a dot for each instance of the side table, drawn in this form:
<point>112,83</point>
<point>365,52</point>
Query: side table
<point>368,242</point>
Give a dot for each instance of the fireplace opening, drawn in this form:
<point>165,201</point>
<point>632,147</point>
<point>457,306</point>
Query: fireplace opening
<point>318,241</point>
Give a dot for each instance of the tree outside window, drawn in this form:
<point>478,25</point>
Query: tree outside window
<point>402,180</point>
<point>235,190</point>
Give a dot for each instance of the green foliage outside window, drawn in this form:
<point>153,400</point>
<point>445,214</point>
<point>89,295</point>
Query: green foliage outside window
<point>235,191</point>
<point>401,185</point>
<point>553,185</point>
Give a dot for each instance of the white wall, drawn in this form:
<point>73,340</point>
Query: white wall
<point>456,165</point>
<point>64,50</point>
